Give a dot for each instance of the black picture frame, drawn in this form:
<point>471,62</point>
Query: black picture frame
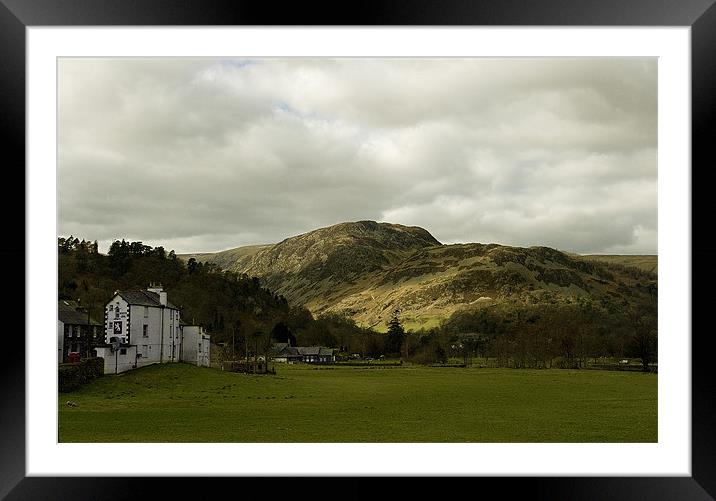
<point>700,15</point>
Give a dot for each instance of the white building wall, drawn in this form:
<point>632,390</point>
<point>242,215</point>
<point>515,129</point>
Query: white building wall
<point>117,362</point>
<point>204,358</point>
<point>151,344</point>
<point>60,340</point>
<point>116,318</point>
<point>192,336</point>
<point>196,346</point>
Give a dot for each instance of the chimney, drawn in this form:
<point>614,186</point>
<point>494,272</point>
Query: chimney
<point>157,289</point>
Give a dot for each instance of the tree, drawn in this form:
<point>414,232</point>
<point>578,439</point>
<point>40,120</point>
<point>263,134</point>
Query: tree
<point>643,342</point>
<point>191,265</point>
<point>281,333</point>
<point>440,354</point>
<point>396,336</point>
<point>468,344</point>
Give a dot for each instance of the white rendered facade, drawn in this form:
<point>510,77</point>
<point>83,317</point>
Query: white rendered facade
<point>154,329</point>
<point>196,346</point>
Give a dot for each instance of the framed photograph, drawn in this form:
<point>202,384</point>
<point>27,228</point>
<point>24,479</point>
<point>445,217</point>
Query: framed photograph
<point>428,238</point>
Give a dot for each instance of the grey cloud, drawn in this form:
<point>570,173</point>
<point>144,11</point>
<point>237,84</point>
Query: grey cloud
<point>207,154</point>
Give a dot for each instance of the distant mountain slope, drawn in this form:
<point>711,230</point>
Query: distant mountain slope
<point>643,262</point>
<point>228,259</point>
<point>370,270</point>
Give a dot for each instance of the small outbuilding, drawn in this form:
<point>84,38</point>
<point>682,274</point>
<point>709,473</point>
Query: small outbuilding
<point>196,346</point>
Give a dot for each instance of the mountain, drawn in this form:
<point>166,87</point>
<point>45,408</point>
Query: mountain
<point>369,271</point>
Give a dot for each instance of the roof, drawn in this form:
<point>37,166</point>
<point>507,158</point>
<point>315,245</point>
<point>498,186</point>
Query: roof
<point>314,350</point>
<point>283,349</point>
<point>68,313</point>
<point>143,298</point>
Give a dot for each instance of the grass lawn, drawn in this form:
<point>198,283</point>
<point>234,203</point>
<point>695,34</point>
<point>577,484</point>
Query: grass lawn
<point>183,403</point>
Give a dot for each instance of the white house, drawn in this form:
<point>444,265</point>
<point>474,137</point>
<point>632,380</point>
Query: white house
<point>195,345</point>
<point>146,320</point>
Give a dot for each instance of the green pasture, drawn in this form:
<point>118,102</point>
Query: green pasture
<point>183,403</point>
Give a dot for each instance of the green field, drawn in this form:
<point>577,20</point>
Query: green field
<point>183,403</point>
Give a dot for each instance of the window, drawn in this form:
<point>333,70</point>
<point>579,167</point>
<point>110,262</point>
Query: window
<point>145,330</point>
<point>116,311</point>
<point>146,311</point>
<point>123,351</point>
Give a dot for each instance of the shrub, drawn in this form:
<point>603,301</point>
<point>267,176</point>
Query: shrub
<point>72,376</point>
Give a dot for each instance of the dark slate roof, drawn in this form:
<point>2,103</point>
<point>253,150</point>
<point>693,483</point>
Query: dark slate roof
<point>68,313</point>
<point>314,350</point>
<point>284,350</point>
<point>143,298</point>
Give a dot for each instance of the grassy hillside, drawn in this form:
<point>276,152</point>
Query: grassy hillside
<point>183,403</point>
<point>370,271</point>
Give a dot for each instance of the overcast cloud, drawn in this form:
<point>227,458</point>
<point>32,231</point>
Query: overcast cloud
<point>205,154</point>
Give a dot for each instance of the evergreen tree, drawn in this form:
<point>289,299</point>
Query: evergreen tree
<point>395,337</point>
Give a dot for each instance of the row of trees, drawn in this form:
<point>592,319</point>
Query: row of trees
<point>71,244</point>
<point>541,336</point>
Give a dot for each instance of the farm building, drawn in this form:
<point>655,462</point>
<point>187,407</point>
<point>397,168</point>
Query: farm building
<point>284,352</point>
<point>76,331</point>
<point>317,354</point>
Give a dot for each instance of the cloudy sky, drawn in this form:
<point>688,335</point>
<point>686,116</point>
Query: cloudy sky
<point>207,154</point>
